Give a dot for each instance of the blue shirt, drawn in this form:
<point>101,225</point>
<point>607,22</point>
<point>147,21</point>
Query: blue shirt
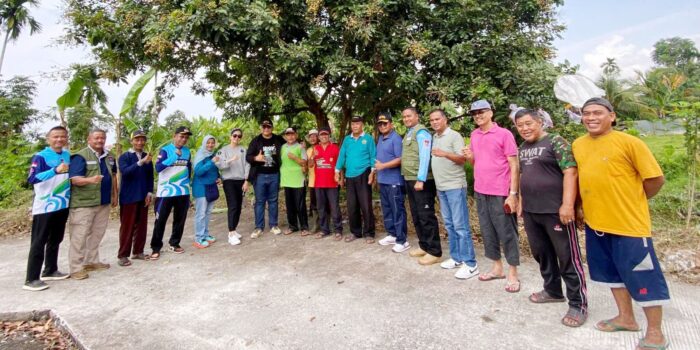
<point>356,155</point>
<point>205,173</point>
<point>389,148</point>
<point>137,180</point>
<point>78,167</point>
<point>425,146</point>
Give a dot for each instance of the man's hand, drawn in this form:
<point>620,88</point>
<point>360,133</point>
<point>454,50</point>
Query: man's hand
<point>371,178</point>
<point>62,168</point>
<point>438,153</point>
<point>467,152</point>
<point>260,157</point>
<point>512,201</point>
<point>566,214</point>
<point>147,159</point>
<point>378,165</point>
<point>96,179</point>
<point>418,186</point>
<point>178,151</point>
<point>148,199</point>
<point>336,177</point>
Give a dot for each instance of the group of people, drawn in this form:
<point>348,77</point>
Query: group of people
<point>601,182</point>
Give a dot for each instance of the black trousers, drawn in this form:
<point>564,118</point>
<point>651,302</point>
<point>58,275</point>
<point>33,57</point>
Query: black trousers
<point>359,197</point>
<point>47,235</point>
<point>422,205</point>
<point>179,205</point>
<point>233,190</point>
<point>555,247</point>
<point>295,201</point>
<point>329,207</point>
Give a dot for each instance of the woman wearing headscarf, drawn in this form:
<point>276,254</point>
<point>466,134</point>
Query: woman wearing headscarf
<point>204,190</point>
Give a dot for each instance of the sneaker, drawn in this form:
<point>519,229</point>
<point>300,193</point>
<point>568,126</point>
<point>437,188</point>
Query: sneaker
<point>428,259</point>
<point>388,240</point>
<point>54,276</point>
<point>176,249</point>
<point>80,275</point>
<point>234,233</point>
<point>96,267</point>
<point>450,264</point>
<point>466,272</point>
<point>256,233</point>
<point>233,240</point>
<point>400,248</point>
<point>275,230</point>
<point>35,285</point>
<point>210,239</point>
<point>201,244</point>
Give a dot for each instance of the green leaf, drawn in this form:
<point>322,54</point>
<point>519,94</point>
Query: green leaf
<point>133,95</point>
<point>71,96</point>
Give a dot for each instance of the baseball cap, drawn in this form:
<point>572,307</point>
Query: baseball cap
<point>311,132</point>
<point>384,118</point>
<point>183,130</point>
<point>480,104</point>
<point>138,133</point>
<point>357,118</point>
<point>600,102</point>
<point>290,130</point>
<point>324,129</point>
<point>266,122</point>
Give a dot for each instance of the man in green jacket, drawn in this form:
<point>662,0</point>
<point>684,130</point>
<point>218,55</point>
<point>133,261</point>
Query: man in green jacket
<point>92,192</point>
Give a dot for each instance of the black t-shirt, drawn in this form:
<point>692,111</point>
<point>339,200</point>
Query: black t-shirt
<point>541,176</point>
<point>271,151</point>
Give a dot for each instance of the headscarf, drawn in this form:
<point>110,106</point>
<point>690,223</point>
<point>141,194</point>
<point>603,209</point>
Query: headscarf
<point>202,153</point>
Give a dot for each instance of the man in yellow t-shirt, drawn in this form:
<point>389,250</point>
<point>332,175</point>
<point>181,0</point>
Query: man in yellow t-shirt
<point>312,139</point>
<point>617,175</point>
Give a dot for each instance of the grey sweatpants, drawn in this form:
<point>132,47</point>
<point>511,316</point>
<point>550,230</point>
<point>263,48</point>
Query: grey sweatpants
<point>497,228</point>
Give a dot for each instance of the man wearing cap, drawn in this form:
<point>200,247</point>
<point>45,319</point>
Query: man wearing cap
<point>264,156</point>
<point>49,176</point>
<point>357,155</point>
<point>174,167</point>
<point>234,172</point>
<point>312,139</point>
<point>322,162</point>
<point>292,173</point>
<point>135,196</point>
<point>451,182</point>
<point>494,154</point>
<point>92,192</point>
<point>617,176</point>
<point>391,185</point>
<point>420,187</point>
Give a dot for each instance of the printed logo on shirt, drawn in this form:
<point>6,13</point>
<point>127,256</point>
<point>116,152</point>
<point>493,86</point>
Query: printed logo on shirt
<point>530,154</point>
<point>557,228</point>
<point>364,142</point>
<point>180,162</point>
<point>268,152</point>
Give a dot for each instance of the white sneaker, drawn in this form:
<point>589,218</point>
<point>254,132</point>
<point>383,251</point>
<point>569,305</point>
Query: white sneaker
<point>388,240</point>
<point>400,248</point>
<point>233,240</point>
<point>256,233</point>
<point>466,272</point>
<point>450,264</point>
<point>234,233</point>
<point>275,230</point>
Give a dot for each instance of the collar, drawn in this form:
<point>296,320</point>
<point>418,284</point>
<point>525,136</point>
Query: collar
<point>493,128</point>
<point>443,133</point>
<point>357,138</point>
<point>99,156</point>
<point>389,134</point>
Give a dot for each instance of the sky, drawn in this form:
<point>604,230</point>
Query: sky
<point>623,29</point>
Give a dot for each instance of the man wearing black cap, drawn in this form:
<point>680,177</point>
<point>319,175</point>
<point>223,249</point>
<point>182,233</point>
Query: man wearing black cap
<point>174,168</point>
<point>617,176</point>
<point>135,196</point>
<point>357,155</point>
<point>264,157</point>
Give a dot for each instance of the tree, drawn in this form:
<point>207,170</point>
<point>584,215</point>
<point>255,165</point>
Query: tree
<point>14,16</point>
<point>610,67</point>
<point>332,59</point>
<point>675,52</point>
<point>660,88</point>
<point>16,99</point>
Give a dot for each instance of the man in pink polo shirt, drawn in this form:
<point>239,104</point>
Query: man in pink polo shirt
<point>495,157</point>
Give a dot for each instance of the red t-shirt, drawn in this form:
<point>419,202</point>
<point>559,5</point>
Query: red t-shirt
<point>324,168</point>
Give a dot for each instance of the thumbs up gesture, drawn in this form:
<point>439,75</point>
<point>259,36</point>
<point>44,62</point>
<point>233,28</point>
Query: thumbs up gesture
<point>62,168</point>
<point>260,157</point>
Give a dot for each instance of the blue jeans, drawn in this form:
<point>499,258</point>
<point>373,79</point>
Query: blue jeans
<point>455,213</point>
<point>393,210</point>
<point>202,213</point>
<point>266,188</point>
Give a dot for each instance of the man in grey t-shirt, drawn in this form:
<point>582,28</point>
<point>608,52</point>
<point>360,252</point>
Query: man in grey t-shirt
<point>450,180</point>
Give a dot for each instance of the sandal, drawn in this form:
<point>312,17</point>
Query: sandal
<point>543,297</point>
<point>609,326</point>
<point>124,262</point>
<point>369,240</point>
<point>305,233</point>
<point>321,235</point>
<point>154,256</point>
<point>338,236</point>
<point>176,250</point>
<point>288,232</point>
<point>574,318</point>
<point>643,345</point>
<point>350,238</point>
<point>138,257</point>
<point>513,287</point>
<point>489,276</point>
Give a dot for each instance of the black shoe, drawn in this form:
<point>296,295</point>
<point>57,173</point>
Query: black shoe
<point>35,286</point>
<point>54,276</point>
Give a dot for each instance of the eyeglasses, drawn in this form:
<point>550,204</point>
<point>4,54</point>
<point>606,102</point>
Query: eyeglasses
<point>382,124</point>
<point>267,127</point>
<point>597,113</point>
<point>478,112</point>
<point>236,136</point>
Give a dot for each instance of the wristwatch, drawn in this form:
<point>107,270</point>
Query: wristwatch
<point>513,193</point>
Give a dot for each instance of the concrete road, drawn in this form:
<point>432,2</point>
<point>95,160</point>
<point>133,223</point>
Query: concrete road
<point>280,292</point>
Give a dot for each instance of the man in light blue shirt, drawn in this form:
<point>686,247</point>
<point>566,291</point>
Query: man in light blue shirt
<point>357,156</point>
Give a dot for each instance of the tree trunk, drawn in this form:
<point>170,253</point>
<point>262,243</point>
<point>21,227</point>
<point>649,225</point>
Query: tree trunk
<point>62,116</point>
<point>155,111</point>
<point>316,108</point>
<point>345,123</point>
<point>4,46</point>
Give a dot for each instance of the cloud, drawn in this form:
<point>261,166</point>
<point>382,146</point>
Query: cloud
<point>629,57</point>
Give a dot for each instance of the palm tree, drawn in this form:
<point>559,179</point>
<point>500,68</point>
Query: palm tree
<point>14,16</point>
<point>610,67</point>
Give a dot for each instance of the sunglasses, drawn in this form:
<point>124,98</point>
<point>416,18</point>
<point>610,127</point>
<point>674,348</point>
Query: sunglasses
<point>267,127</point>
<point>479,112</point>
<point>383,124</point>
<point>236,136</point>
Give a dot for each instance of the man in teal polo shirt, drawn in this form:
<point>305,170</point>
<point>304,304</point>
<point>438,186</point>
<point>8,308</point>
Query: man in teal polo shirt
<point>357,156</point>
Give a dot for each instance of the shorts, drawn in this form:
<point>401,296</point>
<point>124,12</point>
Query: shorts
<point>627,262</point>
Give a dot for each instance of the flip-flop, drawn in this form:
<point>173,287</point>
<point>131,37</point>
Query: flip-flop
<point>609,326</point>
<point>369,240</point>
<point>490,277</point>
<point>153,256</point>
<point>542,297</point>
<point>643,345</point>
<point>350,238</point>
<point>510,287</point>
<point>338,237</point>
<point>288,232</point>
<point>305,233</point>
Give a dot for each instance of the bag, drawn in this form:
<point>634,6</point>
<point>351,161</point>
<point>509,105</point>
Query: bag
<point>211,192</point>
